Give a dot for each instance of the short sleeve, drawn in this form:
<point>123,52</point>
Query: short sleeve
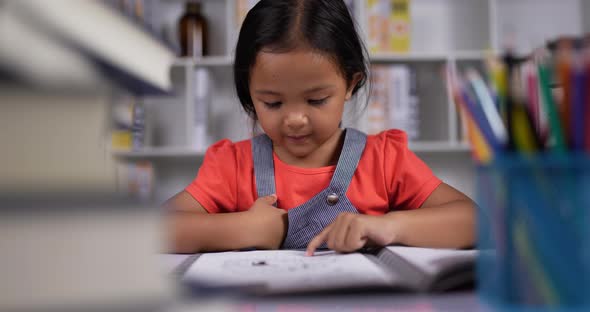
<point>215,185</point>
<point>410,181</point>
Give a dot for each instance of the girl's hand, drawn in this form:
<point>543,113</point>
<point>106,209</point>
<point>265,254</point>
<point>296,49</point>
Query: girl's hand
<point>270,222</point>
<point>352,231</point>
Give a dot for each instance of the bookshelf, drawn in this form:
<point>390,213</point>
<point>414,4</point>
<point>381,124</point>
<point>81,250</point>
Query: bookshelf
<point>444,33</point>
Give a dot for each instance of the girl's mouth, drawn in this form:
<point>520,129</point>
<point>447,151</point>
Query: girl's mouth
<point>297,139</point>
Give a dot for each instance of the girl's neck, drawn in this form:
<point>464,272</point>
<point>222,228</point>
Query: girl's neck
<point>325,155</point>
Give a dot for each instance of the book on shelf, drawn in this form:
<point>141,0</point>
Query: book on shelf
<point>291,271</point>
<point>403,101</point>
<point>202,100</point>
<point>394,102</point>
<point>122,120</point>
<point>377,109</point>
<point>128,124</point>
<point>389,25</point>
<point>136,179</point>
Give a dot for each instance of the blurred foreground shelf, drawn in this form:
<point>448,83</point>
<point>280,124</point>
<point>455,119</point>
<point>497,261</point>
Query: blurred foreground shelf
<point>78,46</point>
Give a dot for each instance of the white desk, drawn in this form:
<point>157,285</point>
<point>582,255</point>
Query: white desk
<point>452,302</point>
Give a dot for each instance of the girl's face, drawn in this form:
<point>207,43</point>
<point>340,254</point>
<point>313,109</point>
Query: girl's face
<point>299,100</point>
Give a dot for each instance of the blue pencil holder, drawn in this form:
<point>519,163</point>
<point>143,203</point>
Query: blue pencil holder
<point>533,233</point>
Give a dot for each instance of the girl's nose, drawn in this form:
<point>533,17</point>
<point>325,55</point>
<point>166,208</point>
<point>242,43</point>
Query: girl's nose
<point>296,120</point>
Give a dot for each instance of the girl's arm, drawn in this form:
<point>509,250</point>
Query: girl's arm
<point>445,219</point>
<point>192,229</point>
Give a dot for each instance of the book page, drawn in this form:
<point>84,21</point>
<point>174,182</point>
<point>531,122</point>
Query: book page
<point>287,270</point>
<point>431,260</point>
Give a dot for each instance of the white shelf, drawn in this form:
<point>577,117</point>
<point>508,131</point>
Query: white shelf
<point>208,61</point>
<point>427,57</point>
<point>181,152</point>
<point>220,61</point>
<point>159,152</point>
<point>471,55</point>
<point>438,147</point>
<point>408,57</point>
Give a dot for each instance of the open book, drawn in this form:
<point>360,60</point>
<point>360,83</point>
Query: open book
<point>291,271</point>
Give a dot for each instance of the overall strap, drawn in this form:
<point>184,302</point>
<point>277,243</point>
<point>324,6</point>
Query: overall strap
<point>352,150</point>
<point>263,165</point>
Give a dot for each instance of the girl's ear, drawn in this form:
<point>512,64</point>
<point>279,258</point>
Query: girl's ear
<point>355,80</point>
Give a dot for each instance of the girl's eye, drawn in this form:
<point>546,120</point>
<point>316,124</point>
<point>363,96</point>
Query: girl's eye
<point>318,102</point>
<point>272,105</point>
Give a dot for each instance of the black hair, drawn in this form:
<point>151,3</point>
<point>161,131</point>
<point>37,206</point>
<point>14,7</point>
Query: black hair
<point>280,26</point>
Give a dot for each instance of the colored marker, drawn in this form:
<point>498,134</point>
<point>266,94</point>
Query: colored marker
<point>578,108</point>
<point>554,121</point>
<point>487,104</point>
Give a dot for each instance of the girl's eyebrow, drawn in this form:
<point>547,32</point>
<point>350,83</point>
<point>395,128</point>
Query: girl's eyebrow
<point>319,88</point>
<point>310,90</point>
<point>266,92</point>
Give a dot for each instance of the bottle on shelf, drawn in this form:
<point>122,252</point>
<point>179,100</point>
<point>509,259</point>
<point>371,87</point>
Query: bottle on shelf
<point>192,32</point>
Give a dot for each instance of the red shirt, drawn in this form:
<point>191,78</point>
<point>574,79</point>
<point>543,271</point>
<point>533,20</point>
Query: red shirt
<point>389,176</point>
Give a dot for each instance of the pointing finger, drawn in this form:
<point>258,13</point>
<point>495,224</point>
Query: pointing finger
<point>318,240</point>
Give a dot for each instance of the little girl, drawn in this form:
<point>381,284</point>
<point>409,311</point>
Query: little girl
<point>305,182</point>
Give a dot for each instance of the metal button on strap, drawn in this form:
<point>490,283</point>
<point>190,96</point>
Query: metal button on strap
<point>332,199</point>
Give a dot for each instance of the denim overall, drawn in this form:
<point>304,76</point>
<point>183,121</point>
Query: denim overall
<point>310,218</point>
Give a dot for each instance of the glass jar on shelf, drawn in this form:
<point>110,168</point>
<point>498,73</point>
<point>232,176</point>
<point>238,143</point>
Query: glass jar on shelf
<point>192,31</point>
